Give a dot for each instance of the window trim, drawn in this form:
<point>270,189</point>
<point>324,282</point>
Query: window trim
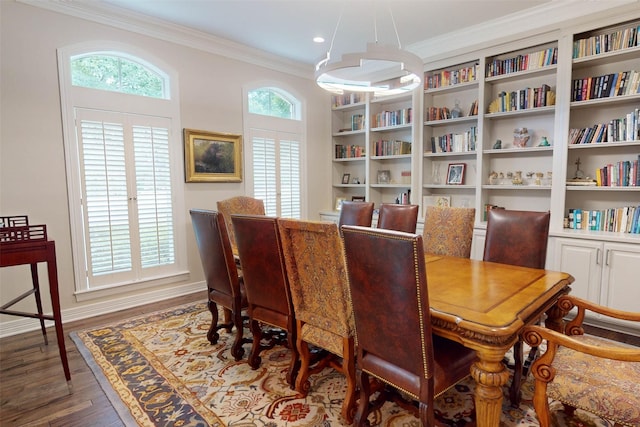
<point>79,97</point>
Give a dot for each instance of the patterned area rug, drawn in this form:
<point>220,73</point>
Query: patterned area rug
<point>159,370</point>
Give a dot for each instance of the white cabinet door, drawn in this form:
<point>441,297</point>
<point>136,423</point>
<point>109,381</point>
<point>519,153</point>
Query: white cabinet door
<point>621,277</point>
<point>583,260</point>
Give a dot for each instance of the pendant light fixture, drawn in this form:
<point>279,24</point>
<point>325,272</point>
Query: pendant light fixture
<point>382,70</point>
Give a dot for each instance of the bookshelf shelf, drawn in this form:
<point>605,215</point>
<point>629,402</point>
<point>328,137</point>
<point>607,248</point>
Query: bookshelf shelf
<point>392,128</point>
<point>523,75</point>
<point>604,145</point>
<point>449,122</point>
<point>349,107</point>
<point>464,154</point>
<point>453,88</point>
<point>519,151</point>
<point>526,112</point>
<point>620,99</point>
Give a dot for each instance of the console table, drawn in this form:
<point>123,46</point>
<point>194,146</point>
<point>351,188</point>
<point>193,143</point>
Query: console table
<point>21,244</point>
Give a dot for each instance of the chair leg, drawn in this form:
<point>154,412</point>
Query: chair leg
<point>256,347</point>
<point>212,334</point>
<point>302,383</point>
<point>236,349</point>
<point>349,370</point>
<point>294,365</point>
<point>362,412</point>
<point>514,392</point>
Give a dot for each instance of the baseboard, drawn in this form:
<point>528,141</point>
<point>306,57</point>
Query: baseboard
<point>22,325</point>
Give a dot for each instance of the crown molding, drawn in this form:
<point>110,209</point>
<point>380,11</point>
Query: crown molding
<point>550,17</point>
<point>158,29</point>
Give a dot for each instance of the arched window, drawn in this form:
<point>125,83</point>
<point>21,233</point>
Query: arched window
<point>125,192</point>
<point>275,131</point>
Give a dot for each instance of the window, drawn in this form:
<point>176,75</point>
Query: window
<point>275,150</point>
<point>123,168</point>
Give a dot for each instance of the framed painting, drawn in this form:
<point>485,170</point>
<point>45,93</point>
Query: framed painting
<point>212,156</point>
<point>455,174</point>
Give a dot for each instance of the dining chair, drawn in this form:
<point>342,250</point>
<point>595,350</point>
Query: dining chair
<point>267,287</point>
<point>396,349</point>
<point>314,258</point>
<point>448,231</point>
<point>356,213</point>
<point>586,372</point>
<point>398,217</point>
<point>517,238</point>
<point>238,205</point>
<point>225,286</point>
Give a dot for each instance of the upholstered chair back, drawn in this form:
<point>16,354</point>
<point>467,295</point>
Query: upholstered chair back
<point>238,205</point>
<point>266,283</point>
<point>356,213</point>
<point>390,299</point>
<point>224,285</point>
<point>397,217</point>
<point>448,231</point>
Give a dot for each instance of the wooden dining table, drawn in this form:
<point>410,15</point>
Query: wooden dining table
<point>484,306</point>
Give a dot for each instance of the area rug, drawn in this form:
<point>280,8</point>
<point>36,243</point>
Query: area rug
<point>160,370</point>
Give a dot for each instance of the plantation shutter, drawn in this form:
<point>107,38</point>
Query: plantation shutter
<point>276,173</point>
<point>127,196</point>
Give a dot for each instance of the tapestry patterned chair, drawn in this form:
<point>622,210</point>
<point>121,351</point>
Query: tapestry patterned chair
<point>584,371</point>
<point>392,216</point>
<point>314,257</point>
<point>225,286</point>
<point>356,213</point>
<point>517,238</point>
<point>396,350</point>
<point>448,231</point>
<point>267,287</point>
<point>238,205</point>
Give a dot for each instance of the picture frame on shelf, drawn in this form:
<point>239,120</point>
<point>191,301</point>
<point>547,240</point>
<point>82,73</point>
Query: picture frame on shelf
<point>455,173</point>
<point>212,156</point>
<point>384,176</point>
<point>357,198</point>
<point>339,201</point>
<point>345,178</point>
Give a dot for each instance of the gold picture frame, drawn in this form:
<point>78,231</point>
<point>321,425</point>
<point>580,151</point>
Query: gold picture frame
<point>212,156</point>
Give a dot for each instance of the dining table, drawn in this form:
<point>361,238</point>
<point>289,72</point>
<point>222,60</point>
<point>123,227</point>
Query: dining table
<point>484,306</point>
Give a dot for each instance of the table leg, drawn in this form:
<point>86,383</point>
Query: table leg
<point>36,290</point>
<point>52,270</point>
<point>490,375</point>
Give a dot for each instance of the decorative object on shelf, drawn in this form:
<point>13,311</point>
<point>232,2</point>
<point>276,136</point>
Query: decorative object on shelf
<point>355,180</point>
<point>520,137</point>
<point>435,174</point>
<point>405,177</point>
<point>441,201</point>
<point>493,177</point>
<point>383,70</point>
<point>579,178</point>
<point>212,156</point>
<point>517,178</point>
<point>498,144</point>
<point>539,176</point>
<point>339,201</point>
<point>456,111</point>
<point>544,142</point>
<point>455,174</point>
<point>384,176</point>
<point>345,178</point>
<point>357,198</point>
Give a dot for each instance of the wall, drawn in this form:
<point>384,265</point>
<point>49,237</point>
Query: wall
<point>32,164</point>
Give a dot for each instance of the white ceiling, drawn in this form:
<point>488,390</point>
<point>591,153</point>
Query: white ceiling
<point>286,27</point>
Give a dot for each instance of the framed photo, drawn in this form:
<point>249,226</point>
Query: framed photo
<point>357,198</point>
<point>384,177</point>
<point>455,174</point>
<point>212,156</point>
<point>339,201</point>
<point>345,178</point>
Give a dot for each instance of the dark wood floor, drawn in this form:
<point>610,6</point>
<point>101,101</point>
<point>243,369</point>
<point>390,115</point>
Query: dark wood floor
<point>33,390</point>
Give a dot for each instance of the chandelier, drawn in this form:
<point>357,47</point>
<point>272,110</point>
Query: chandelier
<point>382,70</point>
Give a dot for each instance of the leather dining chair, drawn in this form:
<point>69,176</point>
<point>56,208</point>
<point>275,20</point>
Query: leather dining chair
<point>448,231</point>
<point>586,372</point>
<point>267,287</point>
<point>397,217</point>
<point>396,349</point>
<point>356,213</point>
<point>225,287</point>
<point>517,238</point>
<point>238,205</point>
<point>314,257</point>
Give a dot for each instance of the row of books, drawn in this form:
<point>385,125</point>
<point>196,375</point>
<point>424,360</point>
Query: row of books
<point>403,116</point>
<point>347,99</point>
<point>446,78</point>
<point>619,220</point>
<point>606,86</point>
<point>529,61</point>
<point>349,151</point>
<point>444,113</point>
<point>357,121</point>
<point>602,43</point>
<point>396,147</point>
<point>624,173</point>
<point>523,99</point>
<point>623,129</point>
<point>455,142</point>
